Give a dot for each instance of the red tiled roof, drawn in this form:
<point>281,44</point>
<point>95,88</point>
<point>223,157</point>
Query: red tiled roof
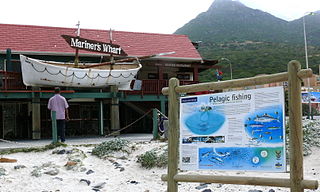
<point>29,38</point>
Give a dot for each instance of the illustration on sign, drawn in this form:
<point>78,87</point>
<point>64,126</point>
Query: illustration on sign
<point>241,130</point>
<point>313,96</point>
<point>205,121</point>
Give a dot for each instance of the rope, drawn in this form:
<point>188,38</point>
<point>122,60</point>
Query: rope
<point>129,124</point>
<point>7,141</point>
<point>161,113</point>
<point>160,122</point>
<point>85,75</point>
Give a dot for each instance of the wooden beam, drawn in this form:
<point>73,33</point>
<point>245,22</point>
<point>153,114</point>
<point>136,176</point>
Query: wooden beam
<point>240,180</point>
<point>173,137</point>
<point>36,113</point>
<point>295,127</point>
<point>260,80</point>
<point>196,73</point>
<point>114,111</point>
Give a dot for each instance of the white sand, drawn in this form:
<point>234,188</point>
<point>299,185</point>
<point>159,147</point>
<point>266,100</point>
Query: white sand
<point>132,179</point>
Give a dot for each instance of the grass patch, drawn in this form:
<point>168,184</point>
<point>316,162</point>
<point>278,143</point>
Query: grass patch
<point>108,147</point>
<point>33,149</point>
<point>153,158</point>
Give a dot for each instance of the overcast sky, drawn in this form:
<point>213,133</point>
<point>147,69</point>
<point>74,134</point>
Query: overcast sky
<point>155,16</point>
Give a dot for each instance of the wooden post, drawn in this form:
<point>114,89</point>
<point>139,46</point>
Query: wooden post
<point>163,106</point>
<point>196,73</point>
<point>155,124</point>
<point>115,120</point>
<point>241,180</point>
<point>295,127</point>
<point>296,181</point>
<point>8,64</point>
<point>101,125</point>
<point>173,137</point>
<point>36,113</point>
<point>54,127</point>
<point>259,80</point>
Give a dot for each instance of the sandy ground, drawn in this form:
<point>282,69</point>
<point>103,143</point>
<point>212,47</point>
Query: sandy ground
<point>45,171</point>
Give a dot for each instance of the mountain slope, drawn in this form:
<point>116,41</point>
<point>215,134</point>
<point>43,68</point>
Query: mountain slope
<point>254,41</point>
<point>228,20</point>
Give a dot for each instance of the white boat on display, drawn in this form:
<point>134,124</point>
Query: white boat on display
<point>48,73</point>
<point>117,72</point>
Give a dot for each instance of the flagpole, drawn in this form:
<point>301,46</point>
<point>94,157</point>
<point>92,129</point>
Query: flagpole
<point>76,60</point>
<point>307,65</point>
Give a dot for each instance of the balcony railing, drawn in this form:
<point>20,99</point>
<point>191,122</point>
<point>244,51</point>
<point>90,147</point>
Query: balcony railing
<point>154,87</point>
<point>11,81</point>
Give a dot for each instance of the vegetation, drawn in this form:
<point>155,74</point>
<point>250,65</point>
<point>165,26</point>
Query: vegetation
<point>250,59</point>
<point>33,149</point>
<point>108,147</point>
<point>254,41</point>
<point>153,158</point>
<point>306,110</point>
<point>310,136</point>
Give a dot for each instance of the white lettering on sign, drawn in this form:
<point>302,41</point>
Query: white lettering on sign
<point>85,45</point>
<point>110,49</point>
<point>95,46</point>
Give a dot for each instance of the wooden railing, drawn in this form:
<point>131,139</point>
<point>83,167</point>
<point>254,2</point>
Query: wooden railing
<point>11,80</point>
<point>154,87</point>
<point>296,182</point>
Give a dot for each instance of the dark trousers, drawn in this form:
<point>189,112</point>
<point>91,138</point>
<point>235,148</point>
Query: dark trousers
<point>61,126</point>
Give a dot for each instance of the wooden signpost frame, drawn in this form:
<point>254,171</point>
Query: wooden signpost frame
<point>296,182</point>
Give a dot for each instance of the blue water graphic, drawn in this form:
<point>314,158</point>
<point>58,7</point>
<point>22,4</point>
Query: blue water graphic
<point>205,122</point>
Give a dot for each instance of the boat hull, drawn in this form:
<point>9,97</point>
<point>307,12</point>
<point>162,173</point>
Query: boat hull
<point>39,73</point>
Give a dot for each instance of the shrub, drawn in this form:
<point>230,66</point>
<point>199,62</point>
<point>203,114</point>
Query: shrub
<point>108,147</point>
<point>151,159</point>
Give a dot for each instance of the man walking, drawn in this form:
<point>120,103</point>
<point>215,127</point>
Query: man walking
<point>60,105</point>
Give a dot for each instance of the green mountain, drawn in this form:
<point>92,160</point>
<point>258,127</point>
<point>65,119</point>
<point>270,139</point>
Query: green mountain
<point>254,41</point>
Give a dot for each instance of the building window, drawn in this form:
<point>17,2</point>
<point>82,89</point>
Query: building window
<point>183,76</point>
<point>153,76</point>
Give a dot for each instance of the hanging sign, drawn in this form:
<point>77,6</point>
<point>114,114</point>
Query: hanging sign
<point>92,45</point>
<point>239,130</point>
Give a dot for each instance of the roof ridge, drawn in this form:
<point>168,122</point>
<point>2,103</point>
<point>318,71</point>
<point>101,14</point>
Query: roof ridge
<point>47,39</point>
<point>89,29</point>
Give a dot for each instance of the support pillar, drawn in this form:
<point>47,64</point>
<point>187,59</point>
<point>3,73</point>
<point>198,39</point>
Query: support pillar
<point>196,73</point>
<point>101,125</point>
<point>8,65</point>
<point>160,72</point>
<point>163,106</point>
<point>114,112</point>
<point>295,127</point>
<point>36,123</point>
<point>54,127</point>
<point>155,123</point>
<point>173,137</point>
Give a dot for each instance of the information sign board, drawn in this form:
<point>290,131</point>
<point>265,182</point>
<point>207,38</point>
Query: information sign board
<point>239,130</point>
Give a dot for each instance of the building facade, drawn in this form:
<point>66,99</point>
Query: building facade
<point>93,111</point>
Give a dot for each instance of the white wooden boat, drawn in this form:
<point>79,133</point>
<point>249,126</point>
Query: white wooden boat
<point>48,73</point>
